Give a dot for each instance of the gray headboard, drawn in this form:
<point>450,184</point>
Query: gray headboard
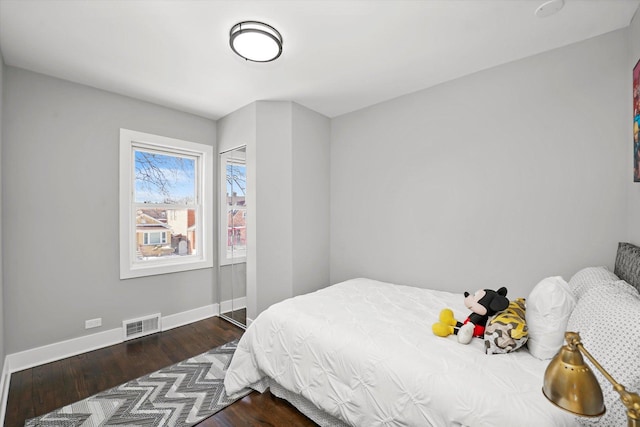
<point>628,264</point>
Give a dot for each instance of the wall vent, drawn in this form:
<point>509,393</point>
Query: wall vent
<point>135,328</point>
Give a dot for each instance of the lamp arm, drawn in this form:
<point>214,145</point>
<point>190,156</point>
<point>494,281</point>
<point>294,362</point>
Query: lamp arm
<point>629,399</point>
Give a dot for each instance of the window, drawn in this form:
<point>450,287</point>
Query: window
<point>166,205</point>
<point>155,238</point>
<point>233,192</point>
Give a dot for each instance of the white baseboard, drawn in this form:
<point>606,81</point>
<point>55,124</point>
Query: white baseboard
<point>184,318</point>
<point>52,352</point>
<point>235,303</point>
<point>61,350</point>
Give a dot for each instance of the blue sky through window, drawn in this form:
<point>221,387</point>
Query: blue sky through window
<point>162,178</point>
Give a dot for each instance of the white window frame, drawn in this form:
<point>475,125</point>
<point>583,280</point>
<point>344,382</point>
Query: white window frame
<point>131,140</point>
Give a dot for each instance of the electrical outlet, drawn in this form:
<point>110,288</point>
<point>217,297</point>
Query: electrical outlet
<point>93,323</point>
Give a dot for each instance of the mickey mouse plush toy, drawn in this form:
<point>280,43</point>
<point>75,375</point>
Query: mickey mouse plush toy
<point>484,303</point>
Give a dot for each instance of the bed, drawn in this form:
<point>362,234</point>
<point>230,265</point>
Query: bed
<point>362,353</point>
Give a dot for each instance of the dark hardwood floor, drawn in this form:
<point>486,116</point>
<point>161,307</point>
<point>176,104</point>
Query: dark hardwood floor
<point>39,390</point>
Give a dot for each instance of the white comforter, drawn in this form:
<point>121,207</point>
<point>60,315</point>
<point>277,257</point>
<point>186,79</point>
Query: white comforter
<point>363,351</point>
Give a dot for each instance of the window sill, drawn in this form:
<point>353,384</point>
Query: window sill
<point>153,269</point>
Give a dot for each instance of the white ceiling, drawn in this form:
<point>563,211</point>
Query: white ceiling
<point>339,55</point>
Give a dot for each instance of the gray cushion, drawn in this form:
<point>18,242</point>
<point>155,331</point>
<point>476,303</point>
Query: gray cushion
<point>628,264</point>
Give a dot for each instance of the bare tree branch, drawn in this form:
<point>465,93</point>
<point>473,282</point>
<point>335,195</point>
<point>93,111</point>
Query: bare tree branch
<point>159,173</point>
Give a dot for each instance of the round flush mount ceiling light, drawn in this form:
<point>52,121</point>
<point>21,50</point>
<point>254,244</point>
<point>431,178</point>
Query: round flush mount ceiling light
<point>255,41</point>
<point>548,8</point>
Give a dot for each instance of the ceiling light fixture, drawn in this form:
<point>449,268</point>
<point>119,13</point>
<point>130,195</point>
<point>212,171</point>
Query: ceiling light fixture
<point>255,41</point>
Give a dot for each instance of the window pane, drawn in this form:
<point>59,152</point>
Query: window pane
<point>165,233</point>
<point>163,178</point>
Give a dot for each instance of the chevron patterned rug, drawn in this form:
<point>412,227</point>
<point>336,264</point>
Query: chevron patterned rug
<point>180,395</point>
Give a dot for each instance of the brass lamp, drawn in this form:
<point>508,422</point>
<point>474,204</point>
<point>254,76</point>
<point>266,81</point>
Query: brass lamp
<point>571,385</point>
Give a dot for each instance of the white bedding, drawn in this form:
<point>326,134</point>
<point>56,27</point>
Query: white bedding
<point>363,351</point>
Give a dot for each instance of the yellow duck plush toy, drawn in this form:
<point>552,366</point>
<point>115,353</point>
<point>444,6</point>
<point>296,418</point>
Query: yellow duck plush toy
<point>483,304</point>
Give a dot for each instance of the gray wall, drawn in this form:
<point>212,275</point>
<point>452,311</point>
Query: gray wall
<point>633,188</point>
<point>274,203</point>
<point>288,194</point>
<point>60,216</point>
<point>311,157</point>
<point>499,178</point>
<point>292,195</point>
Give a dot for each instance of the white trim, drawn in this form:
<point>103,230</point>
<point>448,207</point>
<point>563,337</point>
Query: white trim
<point>63,349</point>
<point>184,318</point>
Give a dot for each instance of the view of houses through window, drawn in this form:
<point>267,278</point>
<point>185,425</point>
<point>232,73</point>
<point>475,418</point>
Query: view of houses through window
<point>165,205</point>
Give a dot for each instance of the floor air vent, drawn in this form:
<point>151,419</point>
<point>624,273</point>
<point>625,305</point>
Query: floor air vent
<point>141,326</point>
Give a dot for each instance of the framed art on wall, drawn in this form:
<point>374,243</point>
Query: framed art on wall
<point>636,122</point>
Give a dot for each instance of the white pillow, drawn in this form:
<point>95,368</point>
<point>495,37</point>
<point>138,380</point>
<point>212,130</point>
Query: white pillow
<point>549,306</point>
<point>608,320</point>
<point>588,278</point>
